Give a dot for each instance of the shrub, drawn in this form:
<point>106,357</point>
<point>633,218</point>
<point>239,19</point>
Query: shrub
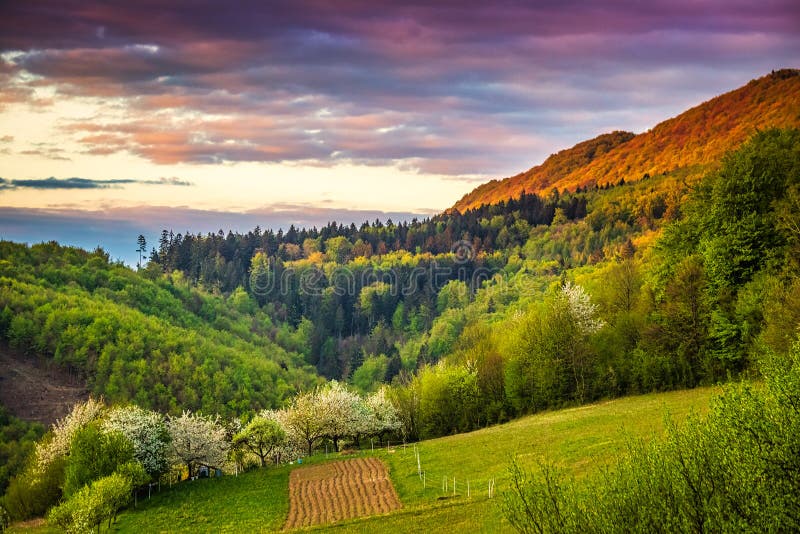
<point>94,454</point>
<point>33,491</point>
<point>737,470</point>
<point>91,505</point>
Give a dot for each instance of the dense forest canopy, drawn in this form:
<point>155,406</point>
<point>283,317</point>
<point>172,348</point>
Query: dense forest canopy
<point>158,342</point>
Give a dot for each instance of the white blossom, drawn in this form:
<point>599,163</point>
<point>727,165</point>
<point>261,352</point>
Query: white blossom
<point>63,431</point>
<point>581,308</point>
<point>345,414</point>
<point>197,440</point>
<point>305,421</point>
<point>292,447</point>
<point>383,414</point>
<point>148,433</point>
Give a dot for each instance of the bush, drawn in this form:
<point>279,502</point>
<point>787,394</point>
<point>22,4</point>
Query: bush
<point>738,470</point>
<point>93,504</point>
<point>33,491</point>
<point>94,454</point>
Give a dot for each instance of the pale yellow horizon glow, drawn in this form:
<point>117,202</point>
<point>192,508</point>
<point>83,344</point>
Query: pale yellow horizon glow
<point>238,187</point>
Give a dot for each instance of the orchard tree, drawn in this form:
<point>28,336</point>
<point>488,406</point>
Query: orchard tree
<point>58,445</point>
<point>289,447</point>
<point>147,431</point>
<point>262,437</point>
<point>383,416</point>
<point>197,440</point>
<point>305,420</point>
<point>345,413</point>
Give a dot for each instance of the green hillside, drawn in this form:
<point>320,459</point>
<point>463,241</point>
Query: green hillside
<point>156,342</point>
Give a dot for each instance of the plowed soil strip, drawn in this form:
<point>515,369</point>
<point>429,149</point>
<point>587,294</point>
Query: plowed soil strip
<point>339,490</point>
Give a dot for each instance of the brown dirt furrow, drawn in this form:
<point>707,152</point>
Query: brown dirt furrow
<point>318,509</point>
<point>349,495</point>
<point>310,503</point>
<point>326,493</point>
<point>357,502</point>
<point>355,489</point>
<point>331,509</point>
<point>366,492</point>
<point>378,499</point>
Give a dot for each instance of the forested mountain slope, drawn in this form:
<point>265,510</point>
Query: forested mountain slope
<point>158,342</point>
<point>694,140</point>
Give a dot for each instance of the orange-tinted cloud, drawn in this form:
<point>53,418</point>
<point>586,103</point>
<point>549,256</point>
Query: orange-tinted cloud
<point>455,88</point>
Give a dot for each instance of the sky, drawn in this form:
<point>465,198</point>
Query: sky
<point>120,118</point>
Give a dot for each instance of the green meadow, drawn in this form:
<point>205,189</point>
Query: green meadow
<point>582,439</point>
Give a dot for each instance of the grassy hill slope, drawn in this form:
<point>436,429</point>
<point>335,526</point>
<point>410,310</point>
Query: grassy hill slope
<point>695,139</point>
<point>581,439</point>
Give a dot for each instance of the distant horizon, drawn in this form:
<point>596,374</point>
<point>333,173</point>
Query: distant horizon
<point>117,235</point>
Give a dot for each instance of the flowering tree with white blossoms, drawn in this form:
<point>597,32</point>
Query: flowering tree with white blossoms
<point>291,447</point>
<point>147,431</point>
<point>261,437</point>
<point>344,412</point>
<point>582,315</point>
<point>383,416</point>
<point>64,430</point>
<point>305,421</point>
<point>581,308</point>
<point>197,440</point>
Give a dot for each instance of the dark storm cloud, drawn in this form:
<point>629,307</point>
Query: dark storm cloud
<point>461,87</point>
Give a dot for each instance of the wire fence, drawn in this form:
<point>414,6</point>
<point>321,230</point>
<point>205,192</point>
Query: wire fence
<point>450,484</point>
<point>433,481</point>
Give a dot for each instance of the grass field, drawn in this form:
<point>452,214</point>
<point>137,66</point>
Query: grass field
<point>257,501</point>
<point>580,439</point>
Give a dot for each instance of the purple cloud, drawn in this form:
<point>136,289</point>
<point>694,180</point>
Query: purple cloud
<point>460,88</point>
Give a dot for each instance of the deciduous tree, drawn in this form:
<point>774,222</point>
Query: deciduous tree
<point>261,436</point>
<point>148,433</point>
<point>197,440</point>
